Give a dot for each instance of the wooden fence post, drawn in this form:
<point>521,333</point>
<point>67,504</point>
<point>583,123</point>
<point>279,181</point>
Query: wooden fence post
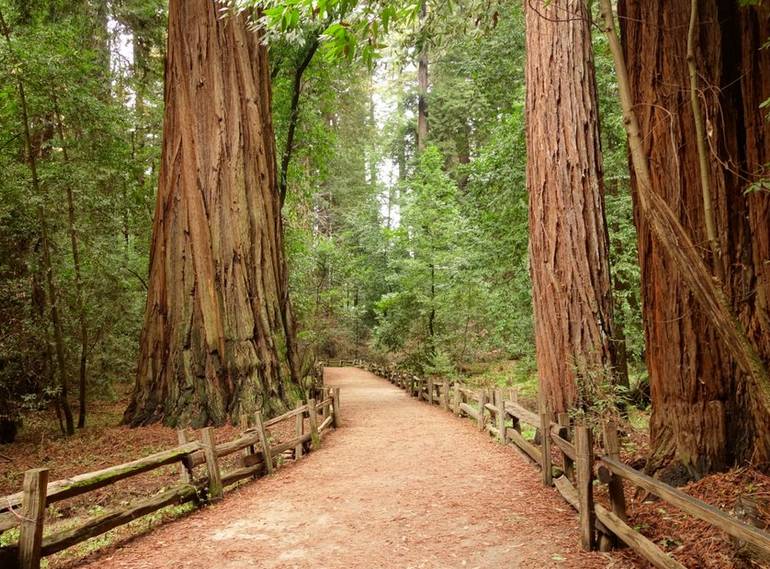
<point>325,411</point>
<point>216,490</point>
<point>482,407</point>
<point>313,414</point>
<point>336,407</point>
<point>545,431</point>
<point>32,517</point>
<point>244,424</point>
<point>584,450</point>
<point>299,429</point>
<point>500,404</point>
<point>185,472</point>
<point>569,464</point>
<point>267,454</point>
<point>329,395</point>
<point>445,395</point>
<point>456,399</point>
<point>612,448</point>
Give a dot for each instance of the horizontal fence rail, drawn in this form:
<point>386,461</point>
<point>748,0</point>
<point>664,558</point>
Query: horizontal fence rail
<point>26,509</point>
<point>579,467</point>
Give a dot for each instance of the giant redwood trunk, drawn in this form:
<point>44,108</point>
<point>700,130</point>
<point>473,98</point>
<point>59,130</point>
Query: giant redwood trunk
<point>569,246</point>
<point>214,342</point>
<point>705,415</point>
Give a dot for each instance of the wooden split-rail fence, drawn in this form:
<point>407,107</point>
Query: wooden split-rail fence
<point>26,509</point>
<point>578,466</point>
<point>345,363</point>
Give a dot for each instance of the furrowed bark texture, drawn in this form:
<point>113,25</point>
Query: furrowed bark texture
<point>569,246</point>
<point>707,412</point>
<point>214,339</point>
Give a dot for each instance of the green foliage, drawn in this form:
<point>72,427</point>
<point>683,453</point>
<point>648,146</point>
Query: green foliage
<point>454,267</point>
<point>598,398</point>
<point>498,205</point>
<point>441,365</point>
<point>351,29</point>
<point>107,159</point>
<point>477,82</point>
<point>430,268</point>
<point>334,227</point>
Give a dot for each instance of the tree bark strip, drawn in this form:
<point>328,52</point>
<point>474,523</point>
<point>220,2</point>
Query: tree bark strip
<point>707,340</point>
<point>569,244</point>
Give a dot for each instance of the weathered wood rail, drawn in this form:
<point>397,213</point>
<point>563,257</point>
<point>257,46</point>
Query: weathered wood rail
<point>26,509</point>
<point>578,465</point>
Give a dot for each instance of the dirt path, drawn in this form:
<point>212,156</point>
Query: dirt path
<point>399,485</point>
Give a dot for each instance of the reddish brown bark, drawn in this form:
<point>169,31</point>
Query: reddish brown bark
<point>216,339</point>
<point>706,411</point>
<point>569,247</point>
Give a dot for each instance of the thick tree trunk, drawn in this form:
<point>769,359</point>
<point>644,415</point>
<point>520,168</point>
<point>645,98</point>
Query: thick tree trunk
<point>707,413</point>
<point>569,246</point>
<point>214,342</point>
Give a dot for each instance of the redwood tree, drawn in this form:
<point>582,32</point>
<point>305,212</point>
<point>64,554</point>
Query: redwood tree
<point>215,341</point>
<point>569,246</point>
<point>706,413</point>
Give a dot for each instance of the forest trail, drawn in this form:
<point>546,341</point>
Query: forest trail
<point>399,485</point>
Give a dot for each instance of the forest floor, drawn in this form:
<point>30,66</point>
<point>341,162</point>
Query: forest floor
<point>102,443</point>
<point>400,484</point>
